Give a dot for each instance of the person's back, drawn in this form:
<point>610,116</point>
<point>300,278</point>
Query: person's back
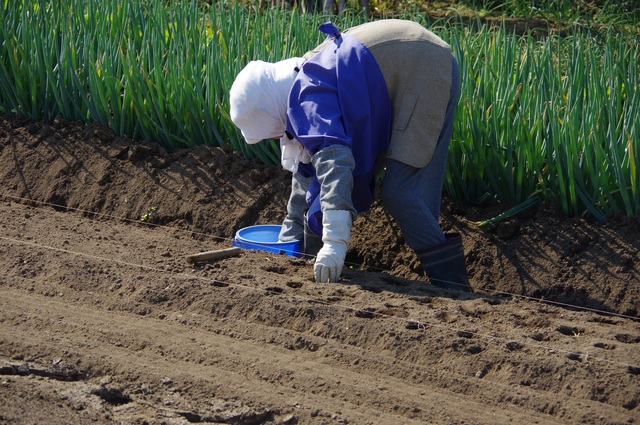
<point>417,68</point>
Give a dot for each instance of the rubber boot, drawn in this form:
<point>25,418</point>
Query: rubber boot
<point>312,242</point>
<point>445,264</point>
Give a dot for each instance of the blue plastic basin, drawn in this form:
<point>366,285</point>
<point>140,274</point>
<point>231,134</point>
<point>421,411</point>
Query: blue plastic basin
<point>265,238</point>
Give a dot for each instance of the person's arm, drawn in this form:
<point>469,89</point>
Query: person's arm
<point>334,169</point>
<point>317,119</point>
<point>293,224</point>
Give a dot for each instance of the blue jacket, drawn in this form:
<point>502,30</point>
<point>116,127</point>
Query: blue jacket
<point>340,97</point>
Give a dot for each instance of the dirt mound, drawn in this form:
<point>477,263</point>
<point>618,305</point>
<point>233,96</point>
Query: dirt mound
<point>213,193</point>
<point>104,320</point>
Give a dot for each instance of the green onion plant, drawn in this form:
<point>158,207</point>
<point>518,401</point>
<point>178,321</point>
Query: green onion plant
<point>552,117</point>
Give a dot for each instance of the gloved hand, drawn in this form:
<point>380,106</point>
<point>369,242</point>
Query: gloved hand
<point>336,229</point>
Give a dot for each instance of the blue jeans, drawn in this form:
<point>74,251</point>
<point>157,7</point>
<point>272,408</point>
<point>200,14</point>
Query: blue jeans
<point>413,195</point>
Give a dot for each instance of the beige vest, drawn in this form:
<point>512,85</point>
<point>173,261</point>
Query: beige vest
<point>416,65</point>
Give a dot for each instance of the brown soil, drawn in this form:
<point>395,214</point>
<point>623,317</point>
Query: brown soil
<point>104,321</point>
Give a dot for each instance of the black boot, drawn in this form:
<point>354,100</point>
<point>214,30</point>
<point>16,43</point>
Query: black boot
<point>312,242</point>
<point>445,265</point>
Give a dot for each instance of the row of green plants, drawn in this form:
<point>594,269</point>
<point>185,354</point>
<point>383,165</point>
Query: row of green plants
<point>623,13</point>
<point>551,119</point>
<point>555,118</point>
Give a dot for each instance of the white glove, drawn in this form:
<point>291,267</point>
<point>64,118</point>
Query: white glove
<point>336,229</point>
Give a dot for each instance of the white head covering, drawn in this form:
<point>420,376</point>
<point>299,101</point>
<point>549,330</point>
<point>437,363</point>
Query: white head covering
<point>258,98</point>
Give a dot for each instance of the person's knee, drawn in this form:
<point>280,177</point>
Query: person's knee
<point>397,198</point>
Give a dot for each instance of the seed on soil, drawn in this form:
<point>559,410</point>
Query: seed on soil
<point>274,290</point>
<point>274,269</point>
<point>628,339</point>
<point>574,356</point>
<point>481,373</point>
<point>474,349</point>
<point>569,330</point>
<point>538,336</point>
<point>514,345</point>
<point>634,370</point>
<point>366,313</point>
<point>414,325</point>
<point>465,334</point>
<point>604,346</point>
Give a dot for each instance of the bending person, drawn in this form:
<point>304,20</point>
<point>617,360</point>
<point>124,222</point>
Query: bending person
<point>378,95</point>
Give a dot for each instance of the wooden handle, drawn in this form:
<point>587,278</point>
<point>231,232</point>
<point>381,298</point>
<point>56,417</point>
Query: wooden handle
<point>213,255</point>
